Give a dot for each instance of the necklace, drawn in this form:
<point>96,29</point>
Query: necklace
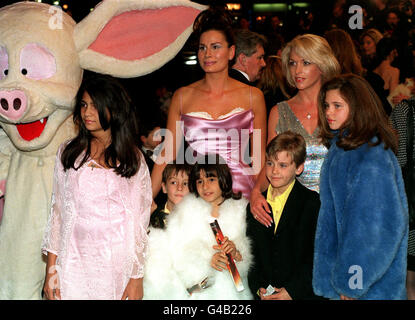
<point>308,116</point>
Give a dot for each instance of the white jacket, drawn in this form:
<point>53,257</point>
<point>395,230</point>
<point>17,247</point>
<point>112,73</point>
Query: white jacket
<point>179,256</point>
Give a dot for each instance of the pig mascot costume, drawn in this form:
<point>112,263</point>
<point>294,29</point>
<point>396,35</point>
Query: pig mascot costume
<point>43,53</point>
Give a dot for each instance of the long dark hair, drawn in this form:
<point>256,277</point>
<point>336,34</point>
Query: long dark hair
<point>367,117</point>
<point>345,51</point>
<point>383,49</point>
<point>213,166</point>
<point>109,96</point>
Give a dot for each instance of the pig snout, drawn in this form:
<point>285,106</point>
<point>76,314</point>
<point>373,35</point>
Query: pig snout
<point>12,104</point>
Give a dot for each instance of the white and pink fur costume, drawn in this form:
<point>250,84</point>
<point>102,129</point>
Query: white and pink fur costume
<point>180,256</point>
<point>43,53</point>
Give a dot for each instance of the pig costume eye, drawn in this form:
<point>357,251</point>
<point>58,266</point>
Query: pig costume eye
<point>37,62</point>
<point>4,62</point>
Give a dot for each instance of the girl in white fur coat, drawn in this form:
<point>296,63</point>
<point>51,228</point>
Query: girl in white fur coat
<point>185,253</point>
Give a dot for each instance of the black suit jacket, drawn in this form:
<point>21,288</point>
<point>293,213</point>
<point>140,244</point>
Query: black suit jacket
<point>149,161</point>
<point>285,259</point>
<point>235,74</point>
<point>161,198</point>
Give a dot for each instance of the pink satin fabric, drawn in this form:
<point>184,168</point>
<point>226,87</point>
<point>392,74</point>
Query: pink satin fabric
<point>227,137</point>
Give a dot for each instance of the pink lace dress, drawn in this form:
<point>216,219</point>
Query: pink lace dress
<point>97,228</point>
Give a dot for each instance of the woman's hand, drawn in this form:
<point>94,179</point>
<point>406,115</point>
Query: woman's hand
<point>134,290</point>
<point>153,207</point>
<point>398,98</point>
<point>260,208</point>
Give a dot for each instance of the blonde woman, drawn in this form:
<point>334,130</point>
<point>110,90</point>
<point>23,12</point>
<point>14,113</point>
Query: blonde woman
<point>369,39</point>
<point>307,62</point>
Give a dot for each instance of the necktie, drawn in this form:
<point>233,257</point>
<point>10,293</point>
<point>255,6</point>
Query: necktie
<point>149,153</point>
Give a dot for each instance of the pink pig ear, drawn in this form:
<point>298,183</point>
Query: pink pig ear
<point>130,38</point>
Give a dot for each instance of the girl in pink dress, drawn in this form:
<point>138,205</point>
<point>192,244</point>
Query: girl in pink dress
<point>216,114</point>
<point>96,236</point>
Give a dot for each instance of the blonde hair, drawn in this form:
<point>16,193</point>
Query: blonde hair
<point>291,142</point>
<point>372,33</point>
<point>315,49</point>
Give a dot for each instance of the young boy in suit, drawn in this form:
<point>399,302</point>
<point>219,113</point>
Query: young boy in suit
<point>175,184</point>
<point>283,255</point>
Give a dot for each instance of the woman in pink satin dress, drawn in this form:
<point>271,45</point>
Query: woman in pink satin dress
<point>216,114</point>
<point>96,235</point>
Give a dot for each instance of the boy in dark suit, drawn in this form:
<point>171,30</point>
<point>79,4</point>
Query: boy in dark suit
<point>175,184</point>
<point>283,255</point>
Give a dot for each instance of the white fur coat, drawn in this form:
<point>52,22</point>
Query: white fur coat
<point>179,256</point>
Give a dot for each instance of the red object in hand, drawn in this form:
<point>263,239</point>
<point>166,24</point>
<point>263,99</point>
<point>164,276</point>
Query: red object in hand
<point>231,264</point>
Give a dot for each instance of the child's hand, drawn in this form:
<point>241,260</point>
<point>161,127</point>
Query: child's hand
<point>219,260</point>
<point>134,290</point>
<point>280,294</point>
<point>228,247</point>
<point>51,288</point>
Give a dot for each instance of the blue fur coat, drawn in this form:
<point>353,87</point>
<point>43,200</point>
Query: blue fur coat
<point>362,230</point>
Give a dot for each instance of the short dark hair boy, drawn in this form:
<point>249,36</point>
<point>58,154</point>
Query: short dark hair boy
<point>175,184</point>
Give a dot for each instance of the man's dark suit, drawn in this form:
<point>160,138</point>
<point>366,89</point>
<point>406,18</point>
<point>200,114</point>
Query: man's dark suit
<point>161,198</point>
<point>285,259</point>
<point>235,74</point>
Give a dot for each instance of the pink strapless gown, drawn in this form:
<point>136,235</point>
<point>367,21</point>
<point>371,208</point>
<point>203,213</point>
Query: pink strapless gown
<point>227,137</point>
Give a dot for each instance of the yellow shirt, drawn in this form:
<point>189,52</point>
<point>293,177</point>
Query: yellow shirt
<point>166,211</point>
<point>278,203</point>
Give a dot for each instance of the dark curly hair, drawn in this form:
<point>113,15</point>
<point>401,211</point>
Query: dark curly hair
<point>384,48</point>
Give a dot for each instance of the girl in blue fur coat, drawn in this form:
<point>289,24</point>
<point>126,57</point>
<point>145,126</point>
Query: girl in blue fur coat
<point>362,229</point>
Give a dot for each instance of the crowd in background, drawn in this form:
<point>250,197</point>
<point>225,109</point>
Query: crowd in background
<point>381,51</point>
<point>328,93</point>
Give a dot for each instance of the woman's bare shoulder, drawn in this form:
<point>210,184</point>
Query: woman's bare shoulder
<point>188,88</point>
<point>274,111</point>
<point>395,71</point>
<point>194,85</point>
<point>256,92</point>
